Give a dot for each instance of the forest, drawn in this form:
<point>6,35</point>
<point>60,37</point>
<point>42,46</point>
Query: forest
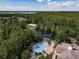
<point>17,39</point>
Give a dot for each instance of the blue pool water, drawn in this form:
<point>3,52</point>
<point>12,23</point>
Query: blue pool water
<point>39,47</point>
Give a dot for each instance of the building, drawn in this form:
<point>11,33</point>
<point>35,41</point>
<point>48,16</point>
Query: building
<point>66,51</point>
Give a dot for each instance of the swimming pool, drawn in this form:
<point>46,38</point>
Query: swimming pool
<point>39,47</point>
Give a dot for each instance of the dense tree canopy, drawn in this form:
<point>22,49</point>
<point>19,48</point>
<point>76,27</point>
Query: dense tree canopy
<point>16,39</point>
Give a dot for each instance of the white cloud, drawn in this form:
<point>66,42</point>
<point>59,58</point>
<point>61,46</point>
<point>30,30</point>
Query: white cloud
<point>40,0</point>
<point>64,4</point>
<point>44,1</point>
<point>52,5</point>
<point>49,0</point>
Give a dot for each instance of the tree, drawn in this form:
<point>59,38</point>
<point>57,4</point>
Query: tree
<point>77,40</point>
<point>26,54</point>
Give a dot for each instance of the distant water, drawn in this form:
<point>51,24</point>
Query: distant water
<point>34,12</point>
<point>18,12</point>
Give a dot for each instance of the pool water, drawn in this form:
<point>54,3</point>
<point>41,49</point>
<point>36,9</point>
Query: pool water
<point>39,47</point>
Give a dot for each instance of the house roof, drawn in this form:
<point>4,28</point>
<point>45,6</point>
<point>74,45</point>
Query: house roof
<point>64,53</point>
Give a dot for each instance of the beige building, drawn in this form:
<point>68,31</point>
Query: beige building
<point>62,51</point>
<point>49,47</point>
<point>66,51</point>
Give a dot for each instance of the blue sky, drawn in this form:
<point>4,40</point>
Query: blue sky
<point>39,5</point>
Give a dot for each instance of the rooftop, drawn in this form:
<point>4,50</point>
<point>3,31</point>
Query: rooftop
<point>63,51</point>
